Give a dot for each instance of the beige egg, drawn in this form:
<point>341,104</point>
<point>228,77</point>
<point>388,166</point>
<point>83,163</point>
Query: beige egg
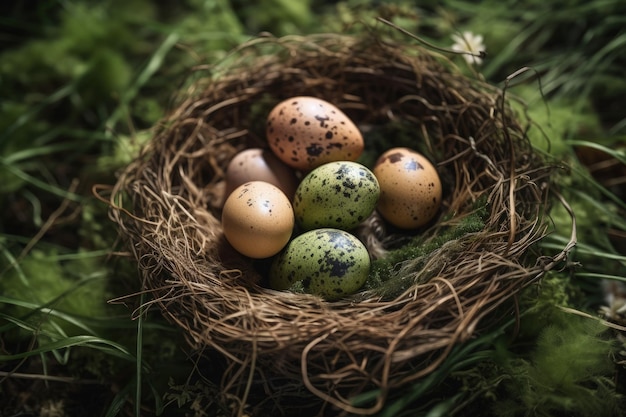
<point>257,219</point>
<point>256,164</point>
<point>306,132</point>
<point>410,188</point>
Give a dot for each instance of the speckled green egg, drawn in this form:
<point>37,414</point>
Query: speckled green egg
<point>329,262</point>
<point>338,194</point>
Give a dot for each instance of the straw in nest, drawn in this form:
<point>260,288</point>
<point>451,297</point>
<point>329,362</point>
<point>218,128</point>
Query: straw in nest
<point>286,349</point>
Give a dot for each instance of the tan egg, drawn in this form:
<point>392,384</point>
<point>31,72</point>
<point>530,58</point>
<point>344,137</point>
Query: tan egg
<point>256,164</point>
<point>306,132</point>
<point>257,219</point>
<point>410,188</point>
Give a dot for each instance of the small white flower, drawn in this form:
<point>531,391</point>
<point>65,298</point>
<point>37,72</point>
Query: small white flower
<point>468,42</point>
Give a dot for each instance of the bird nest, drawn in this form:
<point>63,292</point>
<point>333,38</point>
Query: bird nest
<point>430,289</point>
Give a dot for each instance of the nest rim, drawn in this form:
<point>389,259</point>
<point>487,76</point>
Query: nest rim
<point>335,348</point>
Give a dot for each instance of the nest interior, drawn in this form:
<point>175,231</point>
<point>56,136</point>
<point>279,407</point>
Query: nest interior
<point>280,345</point>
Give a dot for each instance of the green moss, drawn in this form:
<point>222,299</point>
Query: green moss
<point>567,373</point>
<point>44,280</point>
<point>126,149</point>
<point>558,364</point>
<point>297,288</point>
<point>555,121</point>
<point>386,277</point>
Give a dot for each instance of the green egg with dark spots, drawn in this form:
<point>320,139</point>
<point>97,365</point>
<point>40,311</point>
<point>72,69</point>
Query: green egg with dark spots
<point>328,262</point>
<point>339,195</point>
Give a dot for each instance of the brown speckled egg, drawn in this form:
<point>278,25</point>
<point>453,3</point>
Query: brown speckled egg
<point>257,219</point>
<point>410,188</point>
<point>306,132</point>
<point>256,164</point>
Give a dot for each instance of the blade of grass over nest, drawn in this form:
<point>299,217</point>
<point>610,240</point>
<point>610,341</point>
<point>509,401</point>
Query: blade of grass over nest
<point>419,39</point>
<point>153,65</point>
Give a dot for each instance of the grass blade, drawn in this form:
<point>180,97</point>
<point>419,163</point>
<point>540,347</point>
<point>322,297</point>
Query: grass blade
<point>99,343</point>
<point>150,69</point>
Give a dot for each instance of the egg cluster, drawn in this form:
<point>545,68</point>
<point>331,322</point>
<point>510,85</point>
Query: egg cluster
<point>298,201</point>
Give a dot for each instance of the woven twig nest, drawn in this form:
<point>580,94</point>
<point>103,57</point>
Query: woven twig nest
<point>283,348</point>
